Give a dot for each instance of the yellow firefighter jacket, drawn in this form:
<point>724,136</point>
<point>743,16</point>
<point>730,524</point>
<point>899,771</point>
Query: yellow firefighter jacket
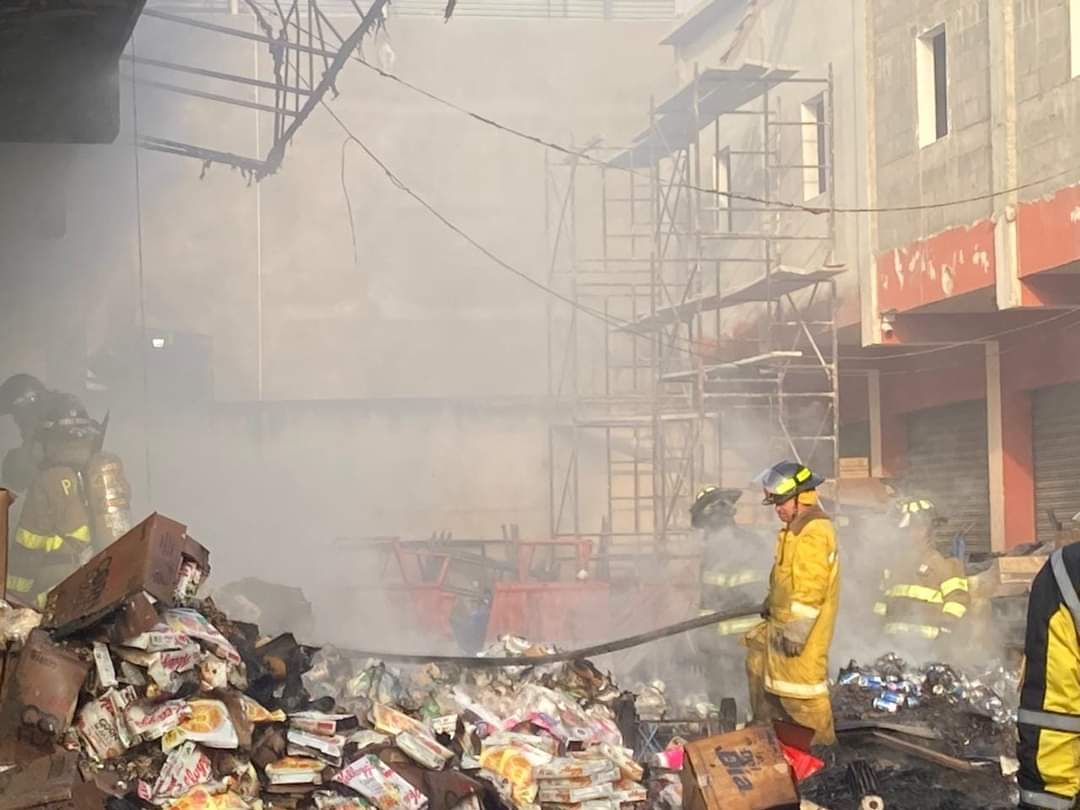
<point>54,528</point>
<point>802,603</point>
<point>924,598</point>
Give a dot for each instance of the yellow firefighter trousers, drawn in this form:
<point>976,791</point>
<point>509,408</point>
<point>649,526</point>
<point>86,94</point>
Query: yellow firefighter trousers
<point>814,713</point>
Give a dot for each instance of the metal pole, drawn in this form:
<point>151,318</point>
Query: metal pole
<point>258,244</point>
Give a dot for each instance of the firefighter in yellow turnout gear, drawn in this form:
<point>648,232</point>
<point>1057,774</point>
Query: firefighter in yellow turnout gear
<point>925,596</point>
<point>734,573</point>
<point>53,535</point>
<point>787,658</point>
<point>1049,715</point>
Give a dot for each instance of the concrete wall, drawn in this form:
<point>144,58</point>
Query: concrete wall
<point>1048,98</point>
<point>958,165</point>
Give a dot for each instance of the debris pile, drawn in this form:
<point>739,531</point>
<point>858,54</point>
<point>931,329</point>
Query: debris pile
<point>893,686</point>
<point>955,720</point>
<point>129,691</point>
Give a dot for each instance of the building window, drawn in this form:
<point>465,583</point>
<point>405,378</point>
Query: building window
<point>718,214</point>
<point>932,86</point>
<point>1074,38</point>
<point>815,159</point>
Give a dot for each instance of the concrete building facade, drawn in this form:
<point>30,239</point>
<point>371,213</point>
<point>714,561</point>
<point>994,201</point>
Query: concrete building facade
<point>956,218</point>
<point>969,336</point>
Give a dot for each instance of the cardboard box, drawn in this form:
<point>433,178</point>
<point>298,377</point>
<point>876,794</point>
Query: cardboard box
<point>741,770</point>
<point>52,781</point>
<point>855,467</point>
<point>1007,576</point>
<point>41,690</point>
<point>148,558</point>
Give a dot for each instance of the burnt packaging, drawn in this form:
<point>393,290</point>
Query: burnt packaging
<point>48,780</point>
<point>40,695</point>
<point>153,557</point>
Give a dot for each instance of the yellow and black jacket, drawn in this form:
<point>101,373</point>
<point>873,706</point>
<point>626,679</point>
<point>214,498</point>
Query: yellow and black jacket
<point>53,530</point>
<point>1049,716</point>
<point>735,573</point>
<point>925,598</point>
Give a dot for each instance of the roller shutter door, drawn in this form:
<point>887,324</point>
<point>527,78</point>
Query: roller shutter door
<point>947,461</point>
<point>1056,436</point>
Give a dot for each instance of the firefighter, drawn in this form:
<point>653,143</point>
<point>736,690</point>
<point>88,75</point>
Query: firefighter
<point>787,657</point>
<point>53,535</point>
<point>21,397</point>
<point>925,596</point>
<point>1049,715</point>
<point>734,573</point>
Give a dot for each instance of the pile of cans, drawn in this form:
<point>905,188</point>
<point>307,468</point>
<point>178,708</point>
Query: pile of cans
<point>895,685</point>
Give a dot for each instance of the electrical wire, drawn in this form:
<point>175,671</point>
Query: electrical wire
<point>145,362</point>
<point>348,204</point>
<point>404,187</point>
<point>973,341</point>
<point>687,346</point>
<point>730,195</point>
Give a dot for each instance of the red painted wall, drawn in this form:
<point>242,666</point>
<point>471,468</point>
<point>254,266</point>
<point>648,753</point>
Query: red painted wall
<point>953,262</point>
<point>1048,231</point>
<point>1019,475</point>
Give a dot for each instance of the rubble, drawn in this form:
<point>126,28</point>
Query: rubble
<point>139,692</point>
<point>132,692</point>
<point>973,712</point>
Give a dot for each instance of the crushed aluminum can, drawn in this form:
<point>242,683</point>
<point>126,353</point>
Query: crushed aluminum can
<point>890,702</point>
<point>849,678</point>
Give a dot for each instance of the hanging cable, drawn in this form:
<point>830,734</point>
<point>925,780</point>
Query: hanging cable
<point>145,363</point>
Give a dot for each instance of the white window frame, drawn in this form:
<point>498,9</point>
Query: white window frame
<point>926,86</point>
<point>1073,10</point>
<point>717,207</point>
<point>814,136</point>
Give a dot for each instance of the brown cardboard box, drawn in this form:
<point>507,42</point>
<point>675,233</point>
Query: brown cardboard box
<point>148,558</point>
<point>52,781</point>
<point>854,467</point>
<point>1007,576</point>
<point>741,770</point>
<point>41,690</point>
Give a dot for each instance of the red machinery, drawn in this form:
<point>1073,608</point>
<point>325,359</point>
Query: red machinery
<point>559,591</point>
<point>534,586</point>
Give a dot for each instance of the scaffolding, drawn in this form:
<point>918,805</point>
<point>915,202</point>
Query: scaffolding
<point>701,341</point>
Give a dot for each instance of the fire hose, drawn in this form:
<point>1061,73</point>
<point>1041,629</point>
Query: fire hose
<point>484,662</point>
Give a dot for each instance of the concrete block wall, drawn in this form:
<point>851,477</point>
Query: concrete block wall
<point>955,166</point>
<point>1048,97</point>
